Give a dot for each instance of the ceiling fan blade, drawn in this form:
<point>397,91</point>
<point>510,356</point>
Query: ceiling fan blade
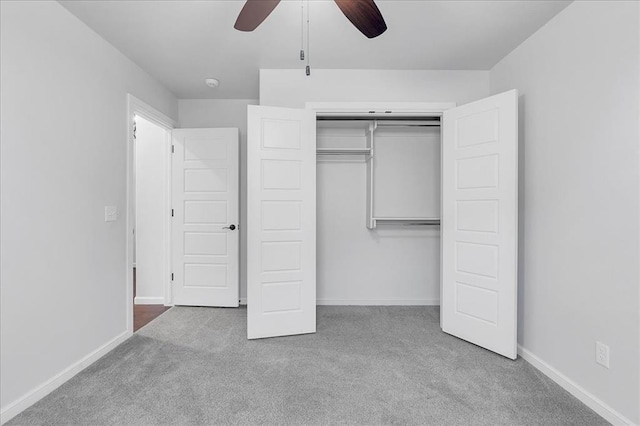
<point>364,15</point>
<point>253,13</point>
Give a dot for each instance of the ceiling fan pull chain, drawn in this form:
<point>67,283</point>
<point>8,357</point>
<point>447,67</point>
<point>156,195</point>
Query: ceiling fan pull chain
<point>302,30</point>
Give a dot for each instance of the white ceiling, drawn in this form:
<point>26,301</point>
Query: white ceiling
<point>182,42</point>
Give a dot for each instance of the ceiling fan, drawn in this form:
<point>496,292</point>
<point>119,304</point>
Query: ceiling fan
<point>363,14</point>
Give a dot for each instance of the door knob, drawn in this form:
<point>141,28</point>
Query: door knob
<point>232,227</point>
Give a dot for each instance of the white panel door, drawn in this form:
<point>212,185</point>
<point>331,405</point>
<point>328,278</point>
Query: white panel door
<point>281,228</point>
<point>480,223</point>
<point>205,235</point>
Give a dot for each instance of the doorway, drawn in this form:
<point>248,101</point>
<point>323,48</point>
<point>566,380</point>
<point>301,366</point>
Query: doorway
<point>151,205</point>
<point>148,213</point>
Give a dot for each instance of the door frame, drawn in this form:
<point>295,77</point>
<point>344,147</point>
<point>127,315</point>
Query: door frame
<point>135,107</point>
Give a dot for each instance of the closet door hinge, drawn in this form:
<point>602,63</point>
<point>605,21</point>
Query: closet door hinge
<point>173,149</point>
<point>172,276</point>
<point>171,212</point>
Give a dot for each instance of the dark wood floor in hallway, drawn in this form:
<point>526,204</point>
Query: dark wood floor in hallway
<point>144,314</point>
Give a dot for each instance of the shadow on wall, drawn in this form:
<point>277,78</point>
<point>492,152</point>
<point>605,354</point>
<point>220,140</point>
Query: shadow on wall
<point>521,216</point>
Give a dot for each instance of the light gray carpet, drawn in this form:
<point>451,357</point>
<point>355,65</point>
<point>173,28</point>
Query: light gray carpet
<point>365,365</point>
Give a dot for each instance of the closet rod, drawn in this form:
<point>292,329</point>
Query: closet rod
<point>408,221</point>
<point>429,223</point>
<point>343,151</point>
<point>379,118</point>
<point>384,123</point>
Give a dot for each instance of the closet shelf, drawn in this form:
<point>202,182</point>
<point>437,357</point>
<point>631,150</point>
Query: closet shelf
<point>343,151</point>
<point>405,221</point>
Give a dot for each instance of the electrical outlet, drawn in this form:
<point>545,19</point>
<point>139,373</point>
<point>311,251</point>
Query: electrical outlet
<point>602,354</point>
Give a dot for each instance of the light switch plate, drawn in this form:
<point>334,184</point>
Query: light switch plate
<point>110,213</point>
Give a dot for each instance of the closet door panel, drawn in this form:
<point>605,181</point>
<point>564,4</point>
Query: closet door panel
<point>479,223</point>
<point>281,212</point>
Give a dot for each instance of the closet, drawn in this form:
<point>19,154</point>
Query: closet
<point>378,209</point>
<point>441,167</point>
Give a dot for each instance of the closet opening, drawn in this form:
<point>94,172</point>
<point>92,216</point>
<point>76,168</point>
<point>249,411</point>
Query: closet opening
<point>378,208</point>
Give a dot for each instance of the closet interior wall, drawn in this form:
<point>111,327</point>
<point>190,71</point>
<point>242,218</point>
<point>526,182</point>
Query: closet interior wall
<point>393,263</point>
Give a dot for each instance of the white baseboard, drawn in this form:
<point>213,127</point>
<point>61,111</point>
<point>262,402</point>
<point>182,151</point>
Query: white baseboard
<point>608,413</point>
<point>341,302</point>
<point>35,395</point>
<point>148,300</point>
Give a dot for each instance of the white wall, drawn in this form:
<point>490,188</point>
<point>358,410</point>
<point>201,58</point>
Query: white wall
<point>151,211</point>
<point>578,79</point>
<point>196,113</point>
<point>389,265</point>
<point>292,88</point>
<point>64,133</point>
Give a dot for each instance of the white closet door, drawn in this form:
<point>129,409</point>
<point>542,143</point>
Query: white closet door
<point>281,216</point>
<point>205,198</point>
<point>480,223</point>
